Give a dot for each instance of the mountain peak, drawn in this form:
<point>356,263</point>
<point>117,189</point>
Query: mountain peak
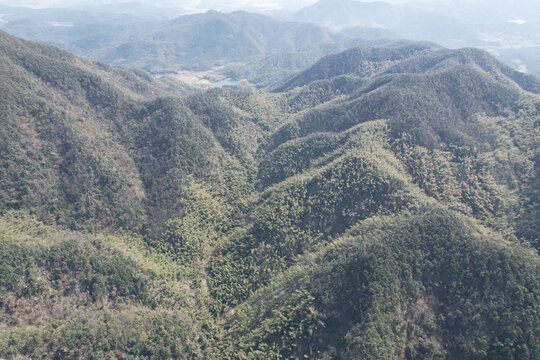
<point>407,58</point>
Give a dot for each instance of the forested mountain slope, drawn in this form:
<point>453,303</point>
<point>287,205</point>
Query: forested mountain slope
<point>425,286</point>
<point>92,147</point>
<point>381,204</point>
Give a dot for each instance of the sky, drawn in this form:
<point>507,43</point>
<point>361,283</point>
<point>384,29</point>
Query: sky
<point>215,4</point>
<point>266,6</point>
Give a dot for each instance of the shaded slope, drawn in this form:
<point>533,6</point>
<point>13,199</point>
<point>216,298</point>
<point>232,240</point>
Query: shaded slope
<point>83,144</point>
<point>57,110</point>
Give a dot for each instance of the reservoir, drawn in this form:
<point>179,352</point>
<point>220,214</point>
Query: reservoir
<point>228,82</point>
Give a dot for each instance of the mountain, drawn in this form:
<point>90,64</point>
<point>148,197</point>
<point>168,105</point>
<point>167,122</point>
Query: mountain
<point>406,127</point>
<point>407,22</point>
<point>508,32</point>
<point>381,203</point>
<point>82,142</point>
<point>205,40</point>
<point>238,45</point>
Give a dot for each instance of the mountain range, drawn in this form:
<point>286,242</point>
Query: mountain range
<point>258,49</point>
<point>379,204</point>
<point>508,31</point>
<point>238,45</point>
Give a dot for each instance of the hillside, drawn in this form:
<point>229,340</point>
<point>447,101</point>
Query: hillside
<point>382,203</point>
<point>413,287</point>
<point>91,147</point>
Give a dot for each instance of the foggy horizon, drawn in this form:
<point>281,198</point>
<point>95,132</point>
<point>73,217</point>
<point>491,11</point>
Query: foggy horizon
<point>509,31</point>
<point>228,5</point>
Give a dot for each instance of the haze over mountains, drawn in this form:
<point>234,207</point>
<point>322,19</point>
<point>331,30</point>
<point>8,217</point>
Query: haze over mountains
<point>509,30</point>
<point>239,45</point>
<point>371,198</point>
<point>125,34</point>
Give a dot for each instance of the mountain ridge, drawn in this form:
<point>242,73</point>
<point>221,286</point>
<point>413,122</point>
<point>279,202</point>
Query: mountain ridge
<point>400,61</point>
<point>378,211</point>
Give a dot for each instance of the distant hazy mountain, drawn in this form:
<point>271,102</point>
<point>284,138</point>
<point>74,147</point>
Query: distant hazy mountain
<point>202,41</point>
<point>368,32</point>
<point>77,31</point>
<point>261,49</point>
<point>407,22</point>
<point>500,28</point>
<point>252,46</point>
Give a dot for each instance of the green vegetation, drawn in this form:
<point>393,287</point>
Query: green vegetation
<point>382,204</point>
<point>420,286</point>
<point>69,295</point>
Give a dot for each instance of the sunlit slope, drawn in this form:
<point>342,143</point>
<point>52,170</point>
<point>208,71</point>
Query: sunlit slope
<point>425,286</point>
<point>459,135</point>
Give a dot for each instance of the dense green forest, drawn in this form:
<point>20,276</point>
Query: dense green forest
<point>381,204</point>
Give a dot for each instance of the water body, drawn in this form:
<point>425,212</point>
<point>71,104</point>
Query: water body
<point>62,24</point>
<point>228,82</point>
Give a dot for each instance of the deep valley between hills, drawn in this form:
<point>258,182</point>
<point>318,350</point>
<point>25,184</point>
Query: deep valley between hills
<point>382,203</point>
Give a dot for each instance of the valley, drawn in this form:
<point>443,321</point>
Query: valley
<point>204,79</point>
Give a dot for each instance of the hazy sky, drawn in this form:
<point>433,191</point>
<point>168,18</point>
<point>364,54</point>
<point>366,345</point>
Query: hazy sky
<point>291,4</point>
<point>262,5</point>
